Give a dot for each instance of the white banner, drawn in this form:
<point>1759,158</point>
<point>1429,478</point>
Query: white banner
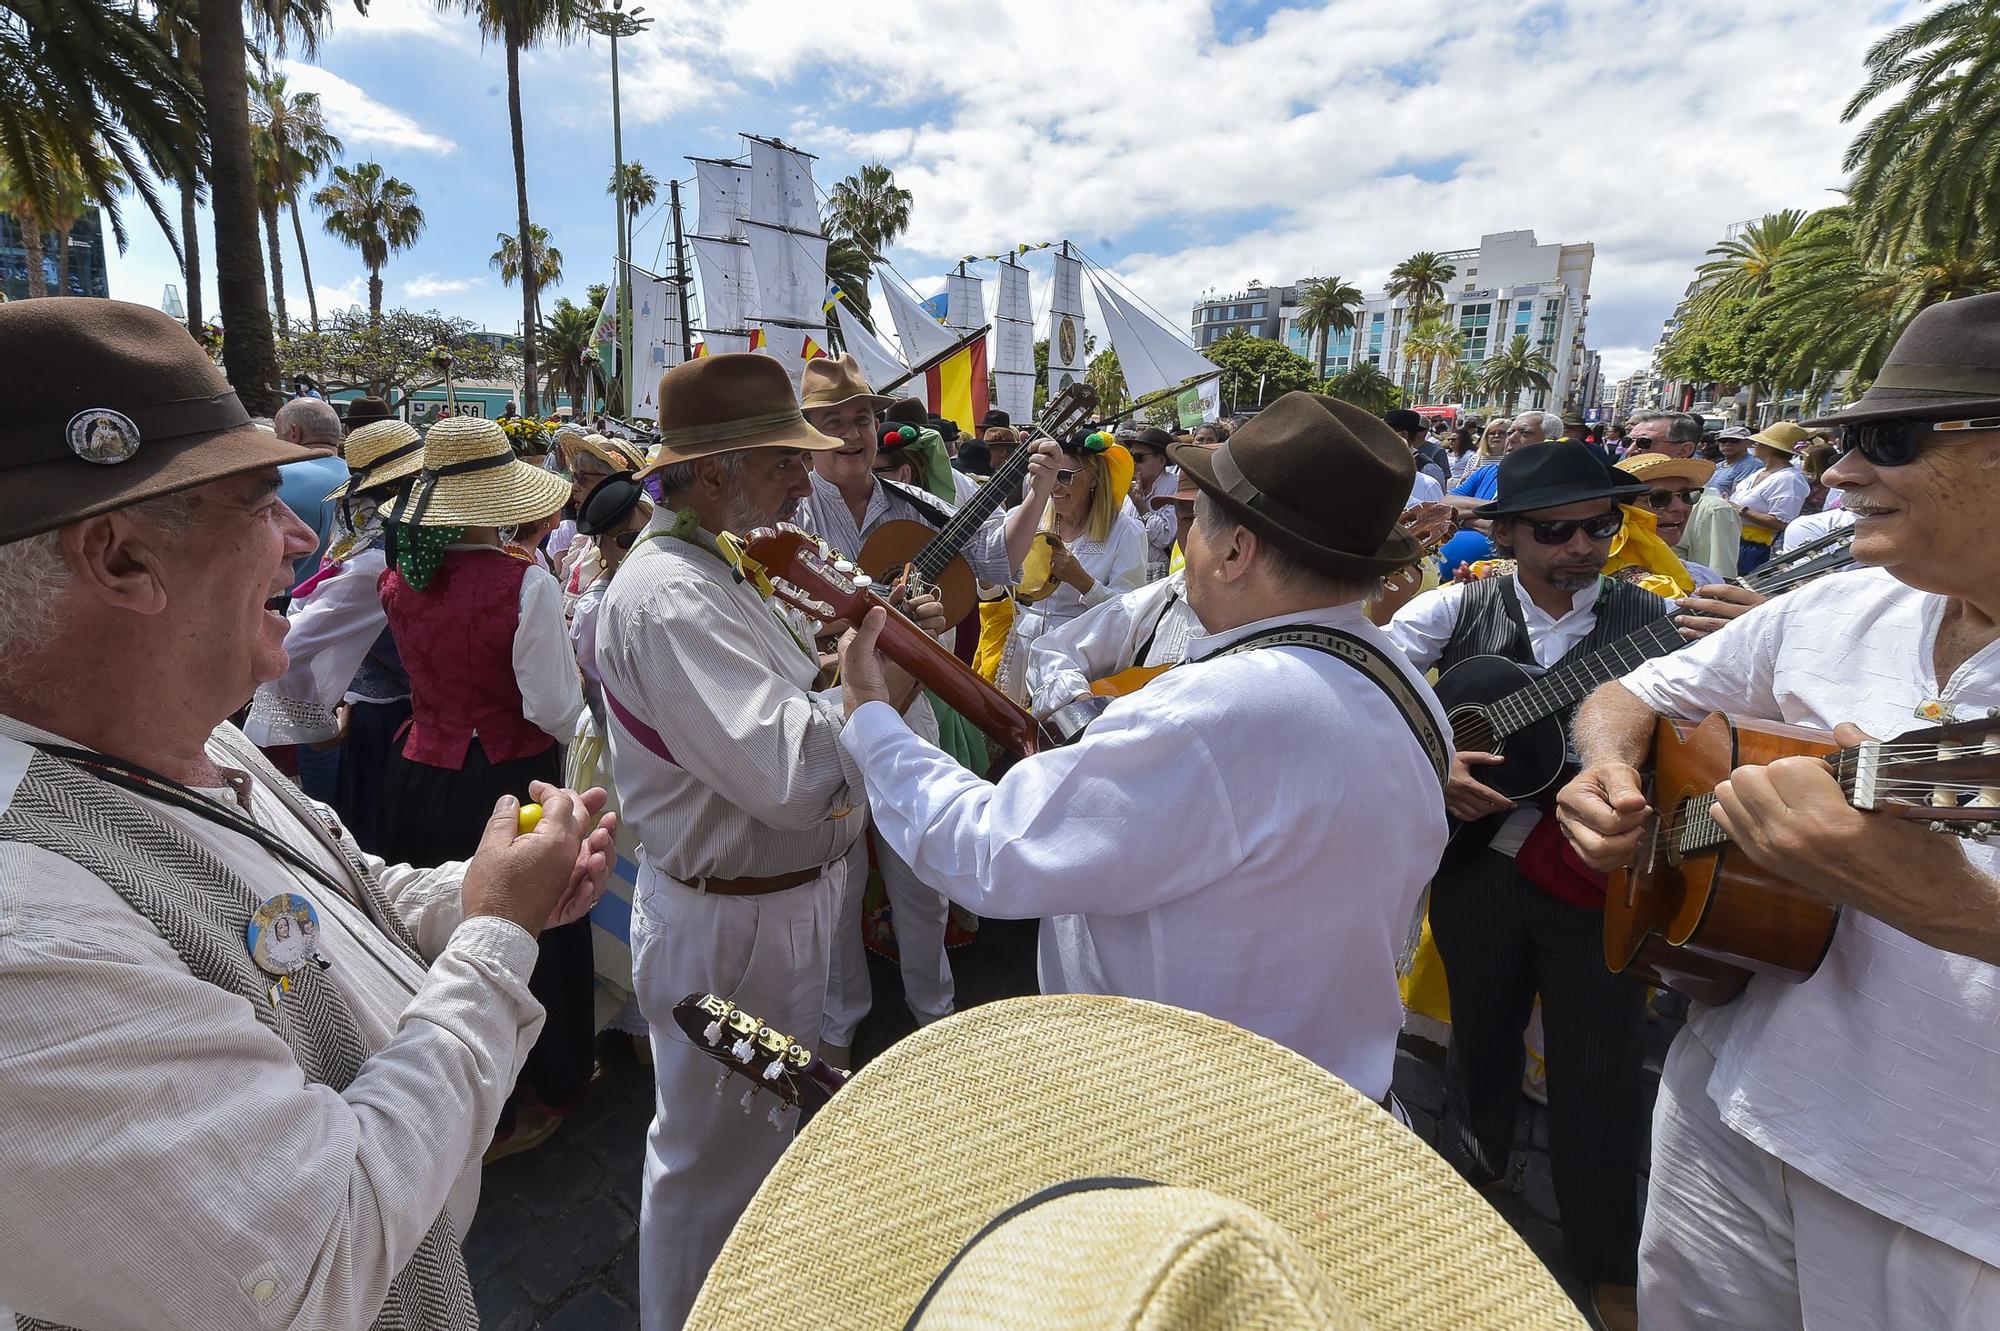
<point>922,336</point>
<point>965,302</point>
<point>1013,327</point>
<point>790,270</point>
<point>1153,358</point>
<point>1066,330</point>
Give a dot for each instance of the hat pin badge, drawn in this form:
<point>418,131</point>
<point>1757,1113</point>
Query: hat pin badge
<point>102,436</point>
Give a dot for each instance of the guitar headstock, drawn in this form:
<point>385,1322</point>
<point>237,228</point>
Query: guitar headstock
<point>1947,776</point>
<point>769,1059</point>
<point>810,575</point>
<point>1431,523</point>
<point>1066,412</point>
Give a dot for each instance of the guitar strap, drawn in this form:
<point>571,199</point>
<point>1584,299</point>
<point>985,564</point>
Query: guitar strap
<point>1173,599</point>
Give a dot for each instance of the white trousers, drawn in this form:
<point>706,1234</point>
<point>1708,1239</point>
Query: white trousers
<point>1736,1238</point>
<point>705,1155</point>
<point>920,916</point>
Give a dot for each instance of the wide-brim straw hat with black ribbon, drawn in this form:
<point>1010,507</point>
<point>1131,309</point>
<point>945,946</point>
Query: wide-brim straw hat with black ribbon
<point>832,383</point>
<point>471,478</point>
<point>725,403</point>
<point>1321,477</point>
<point>1547,476</point>
<point>1077,1162</point>
<point>378,455</point>
<point>1945,366</point>
<point>108,404</point>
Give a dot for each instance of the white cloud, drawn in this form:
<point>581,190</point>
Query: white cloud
<point>428,285</point>
<point>359,119</point>
<point>404,19</point>
<point>352,292</point>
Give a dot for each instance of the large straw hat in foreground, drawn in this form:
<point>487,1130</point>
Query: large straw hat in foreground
<point>471,478</point>
<point>380,454</point>
<point>1072,1162</point>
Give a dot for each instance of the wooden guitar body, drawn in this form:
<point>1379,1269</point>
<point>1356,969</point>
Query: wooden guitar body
<point>899,542</point>
<point>1703,923</point>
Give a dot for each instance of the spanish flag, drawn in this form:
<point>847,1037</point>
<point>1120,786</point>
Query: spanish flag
<point>811,349</point>
<point>958,387</point>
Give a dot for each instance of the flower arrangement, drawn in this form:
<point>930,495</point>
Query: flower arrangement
<point>527,434</point>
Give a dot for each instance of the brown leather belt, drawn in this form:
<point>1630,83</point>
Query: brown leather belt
<point>755,887</point>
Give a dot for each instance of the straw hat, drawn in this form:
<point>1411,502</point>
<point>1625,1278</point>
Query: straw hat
<point>379,454</point>
<point>1654,468</point>
<point>471,478</point>
<point>726,403</point>
<point>611,452</point>
<point>1785,436</point>
<point>1284,1198</point>
<point>832,383</point>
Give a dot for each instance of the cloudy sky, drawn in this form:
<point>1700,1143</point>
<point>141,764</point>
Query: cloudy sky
<point>1185,145</point>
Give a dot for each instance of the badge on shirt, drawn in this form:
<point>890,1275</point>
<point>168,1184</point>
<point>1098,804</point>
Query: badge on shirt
<point>284,935</point>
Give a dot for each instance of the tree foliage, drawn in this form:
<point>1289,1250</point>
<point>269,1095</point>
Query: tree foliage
<point>1245,361</point>
<point>393,355</point>
<point>1327,305</point>
<point>1366,387</point>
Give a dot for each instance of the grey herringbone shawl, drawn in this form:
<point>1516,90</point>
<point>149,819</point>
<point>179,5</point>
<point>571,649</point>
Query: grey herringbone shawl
<point>201,908</point>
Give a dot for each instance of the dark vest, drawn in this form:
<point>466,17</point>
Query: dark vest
<point>381,674</point>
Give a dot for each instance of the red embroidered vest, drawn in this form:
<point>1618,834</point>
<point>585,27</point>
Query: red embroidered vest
<point>457,641</point>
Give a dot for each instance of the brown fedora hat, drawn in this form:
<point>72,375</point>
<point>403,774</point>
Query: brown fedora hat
<point>1945,366</point>
<point>366,411</point>
<point>109,404</point>
<point>833,383</point>
<point>1321,477</point>
<point>729,402</point>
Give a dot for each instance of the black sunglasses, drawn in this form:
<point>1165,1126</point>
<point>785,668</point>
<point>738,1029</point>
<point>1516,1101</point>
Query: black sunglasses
<point>625,540</point>
<point>1600,528</point>
<point>1659,499</point>
<point>1896,443</point>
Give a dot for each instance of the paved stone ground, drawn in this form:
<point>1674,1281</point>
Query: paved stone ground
<point>555,1245</point>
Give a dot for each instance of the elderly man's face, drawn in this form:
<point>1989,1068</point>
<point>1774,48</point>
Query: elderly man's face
<point>855,425</point>
<point>1930,522</point>
<point>1524,430</point>
<point>769,488</point>
<point>1653,437</point>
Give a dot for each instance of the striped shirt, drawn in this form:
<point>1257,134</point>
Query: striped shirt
<point>825,513</point>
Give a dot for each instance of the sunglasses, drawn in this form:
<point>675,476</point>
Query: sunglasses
<point>625,540</point>
<point>1600,528</point>
<point>1896,443</point>
<point>1659,499</point>
<point>1064,475</point>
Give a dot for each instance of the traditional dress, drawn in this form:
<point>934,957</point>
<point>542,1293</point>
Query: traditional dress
<point>312,1161</point>
<point>731,772</point>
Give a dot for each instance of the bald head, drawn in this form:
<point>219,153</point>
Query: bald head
<point>308,420</point>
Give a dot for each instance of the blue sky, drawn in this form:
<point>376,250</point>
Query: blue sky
<point>1187,145</point>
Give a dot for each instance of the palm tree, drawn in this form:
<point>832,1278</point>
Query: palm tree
<point>848,267</point>
<point>1743,267</point>
<point>547,259</point>
<point>1430,342</point>
<point>517,25</point>
<point>1926,168</point>
<point>572,366</point>
<point>1520,368</point>
<point>1327,305</point>
<point>870,209</point>
<point>641,190</point>
<point>1462,384</point>
<point>1365,386</point>
<point>293,147</point>
<point>376,214</point>
<point>15,201</point>
<point>1421,280</point>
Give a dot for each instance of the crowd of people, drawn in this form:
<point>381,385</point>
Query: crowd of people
<point>362,787</point>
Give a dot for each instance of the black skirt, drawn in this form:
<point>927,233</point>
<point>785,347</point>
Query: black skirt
<point>433,814</point>
<point>364,765</point>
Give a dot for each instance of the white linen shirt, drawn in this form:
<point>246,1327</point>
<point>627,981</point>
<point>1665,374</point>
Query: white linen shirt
<point>1878,1076</point>
<point>1107,638</point>
<point>1781,493</point>
<point>1116,564</point>
<point>1424,489</point>
<point>327,636</point>
<point>163,1152</point>
<point>544,662</point>
<point>1212,855</point>
<point>1807,529</point>
<point>1422,627</point>
<point>825,513</point>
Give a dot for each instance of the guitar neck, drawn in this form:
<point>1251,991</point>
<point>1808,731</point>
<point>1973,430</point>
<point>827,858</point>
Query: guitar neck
<point>952,537</point>
<point>963,690</point>
<point>1566,685</point>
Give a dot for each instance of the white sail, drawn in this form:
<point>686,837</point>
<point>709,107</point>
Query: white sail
<point>1066,331</point>
<point>656,340</point>
<point>719,343</point>
<point>781,187</point>
<point>965,302</point>
<point>728,287</point>
<point>1014,345</point>
<point>879,364</point>
<point>790,268</point>
<point>1152,357</point>
<point>722,193</point>
<point>922,337</point>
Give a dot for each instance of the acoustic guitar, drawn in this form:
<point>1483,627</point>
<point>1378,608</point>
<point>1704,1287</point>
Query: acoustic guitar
<point>934,555</point>
<point>1694,915</point>
<point>768,1059</point>
<point>813,579</point>
<point>1496,705</point>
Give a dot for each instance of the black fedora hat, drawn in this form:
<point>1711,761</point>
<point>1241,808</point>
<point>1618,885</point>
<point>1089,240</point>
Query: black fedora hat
<point>906,411</point>
<point>994,417</point>
<point>1945,366</point>
<point>1552,475</point>
<point>609,503</point>
<point>1323,479</point>
<point>366,411</point>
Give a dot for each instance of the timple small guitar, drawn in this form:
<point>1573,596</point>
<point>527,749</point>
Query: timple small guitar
<point>770,1059</point>
<point>1695,915</point>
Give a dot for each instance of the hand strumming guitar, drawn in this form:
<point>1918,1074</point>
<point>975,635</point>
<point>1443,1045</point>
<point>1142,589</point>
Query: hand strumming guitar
<point>1709,608</point>
<point>1064,566</point>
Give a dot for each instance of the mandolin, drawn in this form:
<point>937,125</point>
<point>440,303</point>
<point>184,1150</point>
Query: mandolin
<point>810,577</point>
<point>769,1059</point>
<point>935,554</point>
<point>1694,915</point>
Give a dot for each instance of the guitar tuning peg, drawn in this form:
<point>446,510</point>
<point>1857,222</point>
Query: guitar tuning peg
<point>776,1118</point>
<point>712,1032</point>
<point>774,1072</point>
<point>721,1080</point>
<point>742,1050</point>
<point>749,1098</point>
<point>843,567</point>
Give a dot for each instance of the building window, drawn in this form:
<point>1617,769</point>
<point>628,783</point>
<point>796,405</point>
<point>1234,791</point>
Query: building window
<point>1257,311</point>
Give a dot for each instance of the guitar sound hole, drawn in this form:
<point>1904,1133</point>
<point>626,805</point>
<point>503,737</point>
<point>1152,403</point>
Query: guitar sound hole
<point>1472,731</point>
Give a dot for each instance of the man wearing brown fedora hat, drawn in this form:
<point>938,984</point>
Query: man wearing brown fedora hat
<point>726,757</point>
<point>271,1139</point>
<point>1823,1152</point>
<point>1283,903</point>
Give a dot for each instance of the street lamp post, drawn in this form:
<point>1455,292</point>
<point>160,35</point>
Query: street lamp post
<point>615,23</point>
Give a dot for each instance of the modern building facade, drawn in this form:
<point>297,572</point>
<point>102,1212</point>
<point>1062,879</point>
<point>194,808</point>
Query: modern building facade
<point>1254,310</point>
<point>87,276</point>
